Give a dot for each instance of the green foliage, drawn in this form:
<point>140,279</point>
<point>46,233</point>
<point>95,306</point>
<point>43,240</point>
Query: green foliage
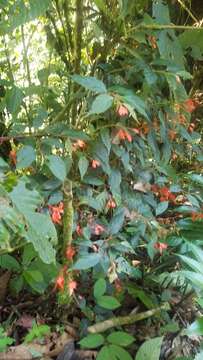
<point>37,332</point>
<point>150,349</point>
<point>4,340</point>
<point>125,106</point>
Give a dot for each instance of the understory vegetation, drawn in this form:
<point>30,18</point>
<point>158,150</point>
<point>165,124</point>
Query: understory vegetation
<point>101,185</point>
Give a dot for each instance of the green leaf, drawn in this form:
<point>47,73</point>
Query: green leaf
<point>102,103</point>
<point>194,265</point>
<point>106,139</point>
<point>99,288</point>
<point>196,328</point>
<point>162,207</point>
<point>119,352</point>
<point>14,98</point>
<point>117,221</point>
<point>35,280</point>
<point>37,332</point>
<point>115,181</point>
<point>90,83</point>
<point>25,157</point>
<point>92,341</point>
<point>105,354</point>
<point>4,340</point>
<point>195,278</point>
<point>150,349</point>
<point>9,262</point>
<point>83,164</point>
<point>57,167</point>
<point>108,302</point>
<point>40,230</point>
<point>87,261</point>
<point>196,178</point>
<point>120,338</point>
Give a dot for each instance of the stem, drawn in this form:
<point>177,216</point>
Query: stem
<point>68,214</point>
<point>124,320</point>
<point>163,27</point>
<point>187,10</point>
<point>78,50</point>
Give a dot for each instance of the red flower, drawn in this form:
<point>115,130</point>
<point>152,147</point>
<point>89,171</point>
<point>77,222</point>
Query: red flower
<point>70,252</point>
<point>190,105</point>
<point>59,284</point>
<point>56,212</point>
<point>95,164</point>
<point>111,204</point>
<point>98,229</point>
<point>79,144</point>
<point>79,230</point>
<point>122,111</point>
<point>123,134</point>
<point>160,247</point>
<point>72,285</point>
<point>166,195</point>
<point>196,216</point>
<point>13,157</point>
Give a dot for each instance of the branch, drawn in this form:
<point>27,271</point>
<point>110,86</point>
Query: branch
<point>163,27</point>
<point>124,320</point>
<point>68,214</point>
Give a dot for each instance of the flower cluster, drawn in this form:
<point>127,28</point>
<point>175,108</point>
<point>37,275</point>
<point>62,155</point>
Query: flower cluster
<point>56,212</point>
<point>164,193</point>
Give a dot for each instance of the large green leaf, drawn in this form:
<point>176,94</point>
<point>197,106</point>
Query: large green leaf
<point>108,302</point>
<point>99,288</point>
<point>87,261</point>
<point>101,103</point>
<point>119,352</point>
<point>117,221</point>
<point>14,98</point>
<point>40,229</point>
<point>150,349</point>
<point>92,341</point>
<point>90,83</point>
<point>57,167</point>
<point>120,338</point>
<point>25,157</point>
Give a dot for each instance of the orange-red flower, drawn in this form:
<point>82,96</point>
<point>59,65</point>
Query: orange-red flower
<point>124,135</point>
<point>59,284</point>
<point>190,105</point>
<point>122,111</point>
<point>79,144</point>
<point>70,252</point>
<point>160,247</point>
<point>152,41</point>
<point>95,164</point>
<point>166,195</point>
<point>196,216</point>
<point>56,212</point>
<point>98,229</point>
<point>111,204</point>
<point>72,285</point>
<point>79,230</point>
<point>13,157</point>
